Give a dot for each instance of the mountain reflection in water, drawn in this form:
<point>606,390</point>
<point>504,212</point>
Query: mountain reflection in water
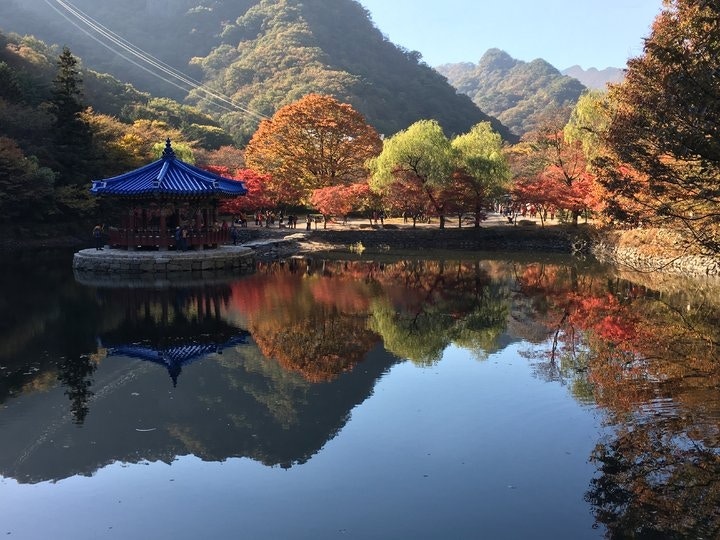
<point>270,366</point>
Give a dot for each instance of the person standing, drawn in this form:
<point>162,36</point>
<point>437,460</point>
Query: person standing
<point>97,233</point>
<point>184,239</point>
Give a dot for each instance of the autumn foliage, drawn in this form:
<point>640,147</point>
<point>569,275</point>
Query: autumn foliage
<point>313,143</point>
<point>339,200</point>
<point>553,174</point>
<point>665,122</point>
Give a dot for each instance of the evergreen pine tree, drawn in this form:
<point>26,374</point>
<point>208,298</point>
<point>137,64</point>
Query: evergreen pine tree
<point>71,132</point>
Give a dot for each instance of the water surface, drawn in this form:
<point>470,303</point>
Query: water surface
<point>462,396</point>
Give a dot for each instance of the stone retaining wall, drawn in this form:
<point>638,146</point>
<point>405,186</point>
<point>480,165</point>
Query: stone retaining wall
<point>123,263</point>
<point>550,239</point>
<point>610,247</point>
<point>605,250</point>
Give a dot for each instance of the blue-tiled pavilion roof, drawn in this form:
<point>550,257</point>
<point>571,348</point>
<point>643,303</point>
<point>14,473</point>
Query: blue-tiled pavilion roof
<point>168,176</point>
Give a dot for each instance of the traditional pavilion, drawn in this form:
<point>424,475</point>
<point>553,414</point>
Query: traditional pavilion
<point>160,197</point>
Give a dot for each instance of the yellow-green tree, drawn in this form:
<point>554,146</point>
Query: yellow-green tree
<point>482,167</point>
<point>420,156</point>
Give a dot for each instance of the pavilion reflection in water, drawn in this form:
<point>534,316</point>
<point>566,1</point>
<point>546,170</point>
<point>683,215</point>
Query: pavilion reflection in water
<point>237,403</point>
<point>175,358</point>
<point>171,327</point>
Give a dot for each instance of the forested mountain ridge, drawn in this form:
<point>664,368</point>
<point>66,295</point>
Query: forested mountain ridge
<point>519,94</point>
<point>264,54</point>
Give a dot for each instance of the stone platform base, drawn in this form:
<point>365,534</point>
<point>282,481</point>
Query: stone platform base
<point>116,263</point>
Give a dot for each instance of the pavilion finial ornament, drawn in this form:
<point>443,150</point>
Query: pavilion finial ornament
<point>168,153</point>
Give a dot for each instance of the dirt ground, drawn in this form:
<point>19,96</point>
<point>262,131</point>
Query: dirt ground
<point>493,220</point>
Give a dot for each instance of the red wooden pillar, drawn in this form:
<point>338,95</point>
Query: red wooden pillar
<point>212,229</point>
<point>130,230</point>
<point>164,240</point>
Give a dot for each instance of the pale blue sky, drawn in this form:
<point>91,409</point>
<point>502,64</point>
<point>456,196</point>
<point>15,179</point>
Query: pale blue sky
<point>590,33</point>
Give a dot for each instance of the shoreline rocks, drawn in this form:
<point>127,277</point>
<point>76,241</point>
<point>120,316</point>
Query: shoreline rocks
<point>653,250</point>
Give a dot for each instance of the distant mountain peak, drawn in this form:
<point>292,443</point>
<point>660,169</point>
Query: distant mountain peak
<point>520,94</point>
<point>594,78</point>
<point>497,59</point>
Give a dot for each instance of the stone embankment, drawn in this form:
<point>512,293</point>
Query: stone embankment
<point>653,250</point>
<point>640,250</point>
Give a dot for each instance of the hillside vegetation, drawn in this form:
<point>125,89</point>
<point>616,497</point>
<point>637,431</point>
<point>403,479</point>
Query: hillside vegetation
<point>264,54</point>
<point>62,125</point>
<point>519,94</point>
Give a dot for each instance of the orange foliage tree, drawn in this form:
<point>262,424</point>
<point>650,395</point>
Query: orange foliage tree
<point>406,197</point>
<point>665,121</point>
<point>227,156</point>
<point>257,198</point>
<point>558,176</point>
<point>313,143</point>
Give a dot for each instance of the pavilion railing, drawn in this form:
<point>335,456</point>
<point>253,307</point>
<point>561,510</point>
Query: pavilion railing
<point>165,238</point>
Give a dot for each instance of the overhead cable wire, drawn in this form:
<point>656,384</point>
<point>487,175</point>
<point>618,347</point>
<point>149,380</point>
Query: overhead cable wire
<point>95,38</point>
<point>149,59</point>
<point>215,98</point>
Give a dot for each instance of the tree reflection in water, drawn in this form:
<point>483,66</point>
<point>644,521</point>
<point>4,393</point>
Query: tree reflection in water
<point>76,375</point>
<point>648,353</point>
<point>322,321</point>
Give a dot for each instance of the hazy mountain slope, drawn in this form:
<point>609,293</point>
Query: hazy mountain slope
<point>519,94</point>
<point>594,78</point>
<point>171,31</point>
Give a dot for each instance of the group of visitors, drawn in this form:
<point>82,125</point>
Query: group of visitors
<point>268,219</point>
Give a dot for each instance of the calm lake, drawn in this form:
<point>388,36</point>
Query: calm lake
<point>462,396</point>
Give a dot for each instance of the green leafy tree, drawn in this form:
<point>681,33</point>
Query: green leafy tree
<point>483,167</point>
<point>9,85</point>
<point>67,94</point>
<point>589,122</point>
<point>26,189</point>
<point>421,154</point>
